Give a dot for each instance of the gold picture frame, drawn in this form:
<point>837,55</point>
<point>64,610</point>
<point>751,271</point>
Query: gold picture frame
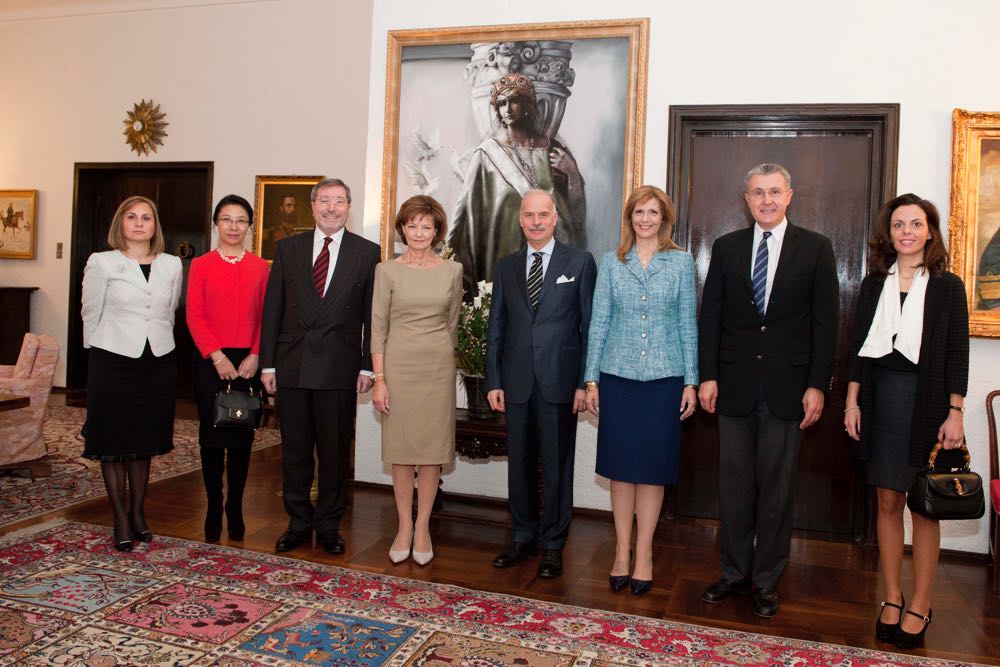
<point>274,221</point>
<point>590,78</point>
<point>18,219</point>
<point>974,224</point>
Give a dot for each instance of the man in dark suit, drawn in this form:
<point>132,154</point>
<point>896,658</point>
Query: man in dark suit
<point>535,356</point>
<point>314,352</point>
<point>767,331</point>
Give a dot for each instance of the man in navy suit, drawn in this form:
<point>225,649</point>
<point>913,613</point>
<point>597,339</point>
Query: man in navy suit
<point>535,356</point>
<point>767,331</point>
<point>314,352</point>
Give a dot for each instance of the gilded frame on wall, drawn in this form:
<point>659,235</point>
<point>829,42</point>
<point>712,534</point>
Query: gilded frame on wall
<point>974,226</point>
<point>590,81</point>
<point>18,217</point>
<point>283,208</point>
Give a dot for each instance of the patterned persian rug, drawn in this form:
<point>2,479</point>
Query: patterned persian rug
<point>68,598</point>
<point>75,479</point>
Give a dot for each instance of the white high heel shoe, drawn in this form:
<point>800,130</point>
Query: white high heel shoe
<point>423,557</point>
<point>401,555</point>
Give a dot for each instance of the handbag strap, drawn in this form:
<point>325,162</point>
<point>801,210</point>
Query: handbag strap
<point>967,458</point>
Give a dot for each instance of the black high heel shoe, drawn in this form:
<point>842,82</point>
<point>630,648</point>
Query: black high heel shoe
<point>121,545</point>
<point>140,535</point>
<point>909,640</point>
<point>640,586</point>
<point>887,631</point>
<point>618,582</point>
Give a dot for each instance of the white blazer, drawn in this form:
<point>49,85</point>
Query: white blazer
<point>121,311</point>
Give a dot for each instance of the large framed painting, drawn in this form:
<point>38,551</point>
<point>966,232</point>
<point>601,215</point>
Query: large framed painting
<point>477,116</point>
<point>18,236</point>
<point>974,226</point>
<point>283,208</point>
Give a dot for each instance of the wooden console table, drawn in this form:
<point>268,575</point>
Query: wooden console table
<point>480,438</point>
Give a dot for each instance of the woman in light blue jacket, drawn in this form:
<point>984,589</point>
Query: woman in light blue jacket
<point>642,371</point>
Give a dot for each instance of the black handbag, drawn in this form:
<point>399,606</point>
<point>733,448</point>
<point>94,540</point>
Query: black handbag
<point>237,408</point>
<point>954,494</point>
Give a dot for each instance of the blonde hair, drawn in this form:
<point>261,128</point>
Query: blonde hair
<point>667,212</point>
<point>116,235</point>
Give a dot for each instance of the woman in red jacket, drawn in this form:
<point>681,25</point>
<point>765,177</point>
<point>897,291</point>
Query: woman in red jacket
<point>224,301</point>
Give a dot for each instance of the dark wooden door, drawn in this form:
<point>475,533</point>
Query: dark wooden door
<point>182,192</point>
<point>843,163</point>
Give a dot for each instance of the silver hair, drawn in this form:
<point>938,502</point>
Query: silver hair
<point>326,182</point>
<point>539,191</point>
<point>766,169</point>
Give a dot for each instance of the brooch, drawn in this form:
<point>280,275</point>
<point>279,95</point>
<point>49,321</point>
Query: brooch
<point>121,268</point>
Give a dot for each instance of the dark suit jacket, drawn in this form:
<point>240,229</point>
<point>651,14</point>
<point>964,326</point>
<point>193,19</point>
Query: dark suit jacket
<point>792,347</point>
<point>315,343</point>
<point>550,345</point>
<point>943,368</point>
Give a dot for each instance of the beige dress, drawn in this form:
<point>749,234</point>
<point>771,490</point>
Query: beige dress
<point>414,324</point>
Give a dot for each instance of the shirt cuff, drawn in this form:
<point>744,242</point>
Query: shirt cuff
<point>267,370</point>
<point>366,373</point>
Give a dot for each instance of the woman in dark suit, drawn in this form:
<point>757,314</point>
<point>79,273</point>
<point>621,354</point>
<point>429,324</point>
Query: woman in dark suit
<point>225,298</point>
<point>908,375</point>
<point>129,297</point>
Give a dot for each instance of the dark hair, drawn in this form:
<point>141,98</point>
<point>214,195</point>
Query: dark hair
<point>417,207</point>
<point>881,252</point>
<point>238,201</point>
<point>667,215</point>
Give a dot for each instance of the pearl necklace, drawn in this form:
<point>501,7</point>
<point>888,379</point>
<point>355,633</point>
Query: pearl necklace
<point>231,260</point>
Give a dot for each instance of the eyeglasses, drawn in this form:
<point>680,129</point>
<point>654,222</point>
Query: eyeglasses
<point>337,201</point>
<point>773,193</point>
<point>229,222</point>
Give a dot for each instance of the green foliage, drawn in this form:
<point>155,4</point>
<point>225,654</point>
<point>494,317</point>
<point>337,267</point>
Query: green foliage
<point>470,354</point>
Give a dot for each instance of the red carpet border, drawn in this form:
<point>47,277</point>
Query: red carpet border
<point>68,598</point>
<point>75,479</point>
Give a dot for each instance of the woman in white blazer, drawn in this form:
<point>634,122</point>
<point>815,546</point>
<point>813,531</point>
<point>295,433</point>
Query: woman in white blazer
<point>130,294</point>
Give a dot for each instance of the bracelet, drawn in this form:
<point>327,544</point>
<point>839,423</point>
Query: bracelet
<point>959,408</point>
<point>591,385</point>
<point>221,359</point>
<point>378,377</point>
<point>853,407</point>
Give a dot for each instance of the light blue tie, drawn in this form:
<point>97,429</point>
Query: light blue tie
<point>759,281</point>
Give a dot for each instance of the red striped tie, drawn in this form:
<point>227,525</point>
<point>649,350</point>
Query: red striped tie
<point>321,266</point>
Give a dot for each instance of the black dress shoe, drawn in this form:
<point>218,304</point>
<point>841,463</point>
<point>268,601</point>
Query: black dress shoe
<point>641,586</point>
<point>618,582</point>
<point>909,640</point>
<point>332,543</point>
<point>765,602</point>
<point>290,539</point>
<point>514,554</point>
<point>123,545</point>
<point>550,566</point>
<point>724,589</point>
<point>143,536</point>
<point>887,631</point>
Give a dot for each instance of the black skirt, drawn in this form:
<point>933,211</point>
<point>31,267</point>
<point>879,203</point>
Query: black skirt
<point>895,394</point>
<point>130,405</point>
<point>206,384</point>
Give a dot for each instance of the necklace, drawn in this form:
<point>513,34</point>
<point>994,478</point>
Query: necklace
<point>420,264</point>
<point>230,260</point>
<point>527,167</point>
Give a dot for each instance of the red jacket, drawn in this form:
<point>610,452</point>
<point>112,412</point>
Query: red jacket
<point>224,302</point>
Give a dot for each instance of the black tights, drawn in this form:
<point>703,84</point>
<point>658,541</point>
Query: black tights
<point>235,462</point>
<point>132,518</point>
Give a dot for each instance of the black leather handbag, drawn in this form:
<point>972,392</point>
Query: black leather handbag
<point>237,408</point>
<point>947,495</point>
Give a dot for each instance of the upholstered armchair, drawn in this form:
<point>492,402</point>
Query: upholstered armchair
<point>994,490</point>
<point>21,440</point>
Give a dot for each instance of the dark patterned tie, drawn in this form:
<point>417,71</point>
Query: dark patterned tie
<point>535,280</point>
<point>321,266</point>
<point>760,275</point>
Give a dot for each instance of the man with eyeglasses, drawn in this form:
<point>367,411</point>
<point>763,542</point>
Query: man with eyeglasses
<point>767,331</point>
<point>315,356</point>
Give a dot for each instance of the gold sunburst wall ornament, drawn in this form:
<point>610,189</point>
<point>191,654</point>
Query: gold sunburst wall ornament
<point>144,127</point>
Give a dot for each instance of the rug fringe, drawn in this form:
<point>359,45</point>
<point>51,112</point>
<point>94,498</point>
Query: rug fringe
<point>20,534</point>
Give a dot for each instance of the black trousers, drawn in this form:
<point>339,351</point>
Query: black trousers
<point>316,425</point>
<point>758,458</point>
<point>539,428</point>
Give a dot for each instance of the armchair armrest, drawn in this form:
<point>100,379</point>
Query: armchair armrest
<point>23,386</point>
<point>6,371</point>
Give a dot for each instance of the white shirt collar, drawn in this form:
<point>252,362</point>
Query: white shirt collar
<point>318,236</point>
<point>546,249</point>
<point>778,231</point>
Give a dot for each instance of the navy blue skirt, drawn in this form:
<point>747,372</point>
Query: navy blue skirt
<point>639,431</point>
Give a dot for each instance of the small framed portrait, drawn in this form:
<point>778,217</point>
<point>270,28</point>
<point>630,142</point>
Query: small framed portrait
<point>283,209</point>
<point>17,232</point>
<point>974,226</point>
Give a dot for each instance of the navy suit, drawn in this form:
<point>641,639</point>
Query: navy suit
<point>537,358</point>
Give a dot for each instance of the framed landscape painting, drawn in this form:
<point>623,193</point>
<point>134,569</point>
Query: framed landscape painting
<point>18,236</point>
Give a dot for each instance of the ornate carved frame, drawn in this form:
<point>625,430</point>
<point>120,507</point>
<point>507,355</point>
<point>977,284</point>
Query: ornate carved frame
<point>261,187</point>
<point>969,128</point>
<point>635,30</point>
<point>25,225</point>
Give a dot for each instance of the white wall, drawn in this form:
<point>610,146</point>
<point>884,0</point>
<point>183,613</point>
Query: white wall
<point>257,87</point>
<point>928,56</point>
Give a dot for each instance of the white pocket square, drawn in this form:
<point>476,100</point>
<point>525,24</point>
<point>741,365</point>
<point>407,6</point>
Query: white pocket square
<point>563,279</point>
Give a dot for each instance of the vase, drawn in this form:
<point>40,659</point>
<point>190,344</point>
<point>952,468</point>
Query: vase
<point>475,390</point>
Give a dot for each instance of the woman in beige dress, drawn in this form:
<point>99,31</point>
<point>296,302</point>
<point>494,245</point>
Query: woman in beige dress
<point>414,331</point>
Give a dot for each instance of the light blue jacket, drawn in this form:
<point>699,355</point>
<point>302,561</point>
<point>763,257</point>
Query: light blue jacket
<point>643,324</point>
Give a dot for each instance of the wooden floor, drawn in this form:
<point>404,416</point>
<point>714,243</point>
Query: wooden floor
<point>829,593</point>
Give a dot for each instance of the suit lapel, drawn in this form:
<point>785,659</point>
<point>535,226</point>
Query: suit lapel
<point>303,264</point>
<point>633,264</point>
<point>932,306</point>
<point>789,246</point>
<point>347,259</point>
<point>557,263</point>
<point>520,259</point>
<point>744,248</point>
